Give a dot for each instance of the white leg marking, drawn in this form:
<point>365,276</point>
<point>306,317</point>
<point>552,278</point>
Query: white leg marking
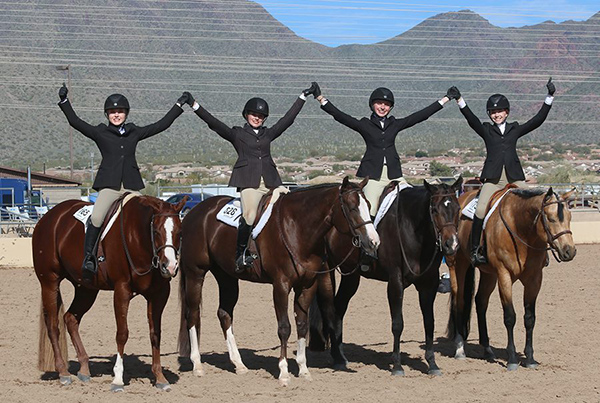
<point>301,359</point>
<point>195,353</point>
<point>284,375</point>
<point>460,353</point>
<point>234,354</point>
<point>170,252</point>
<point>366,216</point>
<point>118,371</point>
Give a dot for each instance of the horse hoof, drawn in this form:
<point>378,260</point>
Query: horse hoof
<point>284,382</point>
<point>241,370</point>
<point>83,378</point>
<point>460,356</point>
<point>398,372</point>
<point>163,386</point>
<point>512,367</point>
<point>532,365</point>
<point>116,388</point>
<point>434,372</point>
<point>306,375</point>
<point>199,372</point>
<point>340,366</point>
<point>65,380</point>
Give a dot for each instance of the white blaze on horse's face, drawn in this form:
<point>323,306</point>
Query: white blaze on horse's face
<point>169,251</point>
<point>363,207</point>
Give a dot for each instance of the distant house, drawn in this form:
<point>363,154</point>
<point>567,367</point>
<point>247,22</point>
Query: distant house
<point>54,189</point>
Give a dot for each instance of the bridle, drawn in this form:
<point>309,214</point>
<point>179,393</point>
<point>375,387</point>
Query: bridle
<point>437,231</point>
<point>550,238</point>
<point>155,258</point>
<point>353,228</point>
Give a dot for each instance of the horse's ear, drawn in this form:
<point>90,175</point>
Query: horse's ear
<point>179,206</point>
<point>550,192</point>
<point>567,195</point>
<point>427,186</point>
<point>345,181</point>
<point>457,186</point>
<point>364,182</point>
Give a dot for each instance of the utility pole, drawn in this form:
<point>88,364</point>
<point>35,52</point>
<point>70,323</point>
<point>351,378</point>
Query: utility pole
<point>92,166</point>
<point>67,68</point>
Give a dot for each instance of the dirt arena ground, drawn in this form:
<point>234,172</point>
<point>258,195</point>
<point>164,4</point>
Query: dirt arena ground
<point>567,340</point>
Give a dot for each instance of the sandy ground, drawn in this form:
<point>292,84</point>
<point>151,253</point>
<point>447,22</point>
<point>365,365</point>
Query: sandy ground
<point>567,337</point>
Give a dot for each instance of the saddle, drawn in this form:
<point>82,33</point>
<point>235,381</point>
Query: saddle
<point>107,224</point>
<point>391,187</point>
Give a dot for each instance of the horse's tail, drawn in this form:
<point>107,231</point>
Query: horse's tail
<point>183,339</point>
<point>317,341</point>
<point>46,361</point>
<point>469,289</point>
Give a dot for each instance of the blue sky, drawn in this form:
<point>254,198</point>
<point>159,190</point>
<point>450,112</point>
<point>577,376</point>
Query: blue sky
<point>337,22</point>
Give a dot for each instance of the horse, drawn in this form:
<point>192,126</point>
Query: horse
<point>290,250</point>
<point>418,229</point>
<point>141,251</point>
<point>517,235</point>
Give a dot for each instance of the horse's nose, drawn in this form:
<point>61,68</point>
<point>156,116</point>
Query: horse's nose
<point>568,253</point>
<point>450,246</point>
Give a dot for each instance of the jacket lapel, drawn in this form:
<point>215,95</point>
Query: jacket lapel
<point>251,131</point>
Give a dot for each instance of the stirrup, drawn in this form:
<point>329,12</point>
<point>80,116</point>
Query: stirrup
<point>478,256</point>
<point>89,269</point>
<point>244,261</point>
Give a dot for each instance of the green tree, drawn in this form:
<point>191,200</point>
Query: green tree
<point>421,154</point>
<point>439,169</point>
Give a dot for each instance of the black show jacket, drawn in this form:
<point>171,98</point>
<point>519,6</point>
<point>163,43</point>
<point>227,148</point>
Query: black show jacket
<point>380,141</point>
<point>118,163</point>
<point>253,149</point>
<point>502,148</point>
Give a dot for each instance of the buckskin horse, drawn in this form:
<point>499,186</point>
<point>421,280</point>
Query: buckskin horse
<point>517,235</point>
<point>141,251</point>
<point>419,228</point>
<point>291,253</point>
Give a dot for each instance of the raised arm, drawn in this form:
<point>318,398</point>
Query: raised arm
<point>472,120</point>
<point>541,116</point>
<point>286,120</point>
<point>425,113</point>
<point>81,126</point>
<point>164,123</point>
<point>338,115</point>
<point>213,123</point>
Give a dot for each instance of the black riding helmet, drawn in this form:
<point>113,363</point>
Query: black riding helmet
<point>116,101</point>
<point>257,105</point>
<point>381,94</point>
<point>497,102</point>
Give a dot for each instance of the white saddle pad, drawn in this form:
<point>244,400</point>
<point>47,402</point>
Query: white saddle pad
<point>387,202</point>
<point>230,213</point>
<point>469,210</point>
<point>84,214</point>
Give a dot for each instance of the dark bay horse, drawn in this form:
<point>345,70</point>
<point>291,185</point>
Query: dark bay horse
<point>517,236</point>
<point>419,228</point>
<point>141,251</point>
<point>291,250</point>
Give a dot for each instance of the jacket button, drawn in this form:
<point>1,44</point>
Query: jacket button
<point>259,158</point>
<point>383,148</point>
<point>121,146</point>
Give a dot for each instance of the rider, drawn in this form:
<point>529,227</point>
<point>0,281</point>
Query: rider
<point>381,162</point>
<point>501,165</point>
<point>254,172</point>
<point>118,172</point>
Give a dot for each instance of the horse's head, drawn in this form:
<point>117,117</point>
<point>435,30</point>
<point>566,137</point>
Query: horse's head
<point>444,210</point>
<point>554,224</point>
<point>166,237</point>
<point>355,209</point>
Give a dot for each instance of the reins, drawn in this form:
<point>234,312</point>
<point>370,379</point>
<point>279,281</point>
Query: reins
<point>155,250</point>
<point>435,229</point>
<point>550,238</point>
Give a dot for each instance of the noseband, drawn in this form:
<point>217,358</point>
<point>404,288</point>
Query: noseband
<point>549,237</point>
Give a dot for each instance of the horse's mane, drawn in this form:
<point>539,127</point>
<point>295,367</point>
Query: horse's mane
<point>313,187</point>
<point>528,193</point>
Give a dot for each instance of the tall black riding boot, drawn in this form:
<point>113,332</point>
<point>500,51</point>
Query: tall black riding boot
<point>90,263</point>
<point>243,259</point>
<point>477,251</point>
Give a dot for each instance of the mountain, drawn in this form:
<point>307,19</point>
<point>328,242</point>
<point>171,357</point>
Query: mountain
<point>228,51</point>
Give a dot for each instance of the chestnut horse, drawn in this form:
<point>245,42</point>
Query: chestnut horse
<point>419,228</point>
<point>291,250</point>
<point>517,236</point>
<point>140,251</point>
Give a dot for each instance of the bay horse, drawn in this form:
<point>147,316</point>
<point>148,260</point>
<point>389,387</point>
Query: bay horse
<point>291,250</point>
<point>517,236</point>
<point>141,251</point>
<point>418,229</point>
